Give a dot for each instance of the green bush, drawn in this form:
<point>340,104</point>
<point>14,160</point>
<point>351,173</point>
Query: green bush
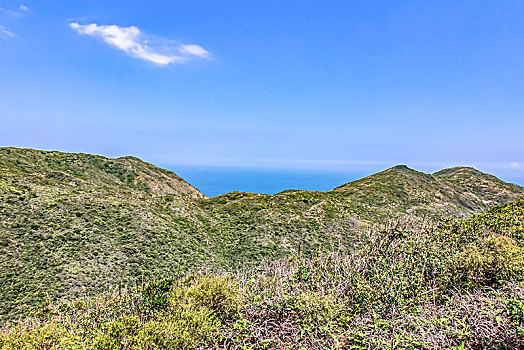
<point>186,327</point>
<point>183,327</point>
<point>50,336</point>
<point>155,294</point>
<point>120,334</point>
<point>515,310</point>
<point>491,260</point>
<point>314,308</point>
<point>216,293</point>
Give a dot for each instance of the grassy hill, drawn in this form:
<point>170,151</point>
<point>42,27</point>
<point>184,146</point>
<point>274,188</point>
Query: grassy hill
<point>76,224</point>
<point>456,284</point>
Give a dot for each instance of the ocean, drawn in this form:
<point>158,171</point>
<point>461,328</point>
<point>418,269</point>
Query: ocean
<point>213,181</point>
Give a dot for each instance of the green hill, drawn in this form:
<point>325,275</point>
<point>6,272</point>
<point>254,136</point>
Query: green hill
<point>75,224</point>
<point>457,284</point>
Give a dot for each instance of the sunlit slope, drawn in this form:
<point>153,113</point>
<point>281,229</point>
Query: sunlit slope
<point>87,170</point>
<point>455,191</point>
<point>451,284</point>
<point>76,223</point>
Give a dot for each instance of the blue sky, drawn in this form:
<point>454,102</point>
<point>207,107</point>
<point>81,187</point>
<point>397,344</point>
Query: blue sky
<point>322,85</point>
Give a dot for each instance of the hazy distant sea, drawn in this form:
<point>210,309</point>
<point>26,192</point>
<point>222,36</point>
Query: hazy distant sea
<point>214,181</point>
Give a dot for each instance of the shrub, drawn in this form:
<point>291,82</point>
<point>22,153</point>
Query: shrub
<point>492,259</point>
<point>185,327</point>
<point>515,310</point>
<point>314,308</point>
<point>120,334</point>
<point>216,293</point>
<point>48,336</point>
<point>155,294</point>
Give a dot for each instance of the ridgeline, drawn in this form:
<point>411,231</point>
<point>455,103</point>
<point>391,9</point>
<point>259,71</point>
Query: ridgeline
<point>73,225</point>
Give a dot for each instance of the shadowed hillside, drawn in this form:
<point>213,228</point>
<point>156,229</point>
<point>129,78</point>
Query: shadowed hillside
<point>72,224</point>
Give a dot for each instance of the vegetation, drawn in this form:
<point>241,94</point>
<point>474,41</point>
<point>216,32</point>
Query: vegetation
<point>453,284</point>
<point>73,225</point>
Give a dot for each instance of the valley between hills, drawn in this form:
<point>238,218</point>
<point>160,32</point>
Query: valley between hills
<point>76,225</point>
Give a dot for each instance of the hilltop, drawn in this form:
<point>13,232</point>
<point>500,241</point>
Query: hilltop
<point>75,224</point>
<point>87,170</point>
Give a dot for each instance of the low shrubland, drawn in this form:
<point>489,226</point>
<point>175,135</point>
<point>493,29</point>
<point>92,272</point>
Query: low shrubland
<point>454,284</point>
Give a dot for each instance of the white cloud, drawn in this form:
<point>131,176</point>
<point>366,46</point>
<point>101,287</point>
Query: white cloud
<point>19,12</point>
<point>6,32</point>
<point>135,43</point>
<point>194,50</point>
<point>515,165</point>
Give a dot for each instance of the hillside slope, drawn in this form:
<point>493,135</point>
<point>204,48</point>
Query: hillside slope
<point>456,191</point>
<point>456,284</point>
<point>482,188</point>
<point>72,224</point>
<point>254,226</point>
<point>87,170</point>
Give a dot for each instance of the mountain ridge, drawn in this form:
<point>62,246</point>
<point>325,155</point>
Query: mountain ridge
<point>399,167</point>
<point>116,169</point>
<point>76,223</point>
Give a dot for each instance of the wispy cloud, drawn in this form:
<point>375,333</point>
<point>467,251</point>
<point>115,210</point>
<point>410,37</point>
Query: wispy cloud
<point>139,45</point>
<point>194,50</point>
<point>514,165</point>
<point>18,12</point>
<point>6,32</point>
